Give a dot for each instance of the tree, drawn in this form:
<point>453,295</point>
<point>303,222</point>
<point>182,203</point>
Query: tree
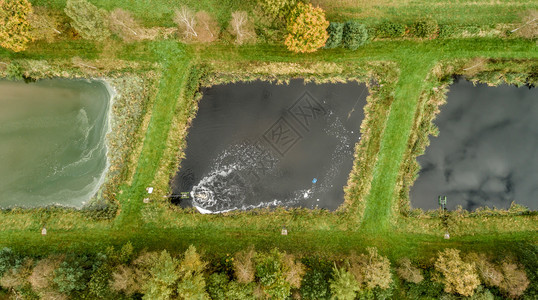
<point>344,286</point>
<point>87,19</point>
<point>8,260</point>
<point>457,276</point>
<point>306,29</point>
<point>124,279</point>
<point>206,27</point>
<point>122,23</point>
<point>515,280</point>
<point>242,28</point>
<point>186,21</point>
<point>408,272</point>
<point>270,274</point>
<point>371,270</point>
<point>354,35</point>
<point>278,9</point>
<point>335,31</point>
<point>244,265</point>
<point>70,276</point>
<point>293,270</point>
<point>489,274</point>
<point>44,24</point>
<point>192,282</point>
<point>163,277</point>
<point>14,26</point>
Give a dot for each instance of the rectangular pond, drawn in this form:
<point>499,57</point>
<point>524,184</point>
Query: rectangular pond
<point>486,151</point>
<point>265,145</point>
<point>52,149</point>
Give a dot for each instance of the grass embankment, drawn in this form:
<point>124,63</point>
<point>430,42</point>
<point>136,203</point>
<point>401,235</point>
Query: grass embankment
<point>480,12</point>
<point>222,234</point>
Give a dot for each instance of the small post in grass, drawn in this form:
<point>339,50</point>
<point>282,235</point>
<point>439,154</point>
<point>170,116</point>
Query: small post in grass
<point>284,230</point>
<point>44,231</point>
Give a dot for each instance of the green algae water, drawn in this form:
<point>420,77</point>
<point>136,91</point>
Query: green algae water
<point>52,142</point>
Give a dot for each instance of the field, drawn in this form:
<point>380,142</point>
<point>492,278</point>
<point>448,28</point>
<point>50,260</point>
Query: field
<point>372,215</point>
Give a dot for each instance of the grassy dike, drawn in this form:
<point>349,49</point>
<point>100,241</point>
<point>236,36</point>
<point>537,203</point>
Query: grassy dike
<point>221,234</point>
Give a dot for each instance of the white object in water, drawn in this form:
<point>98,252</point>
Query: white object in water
<point>150,190</point>
<point>44,231</point>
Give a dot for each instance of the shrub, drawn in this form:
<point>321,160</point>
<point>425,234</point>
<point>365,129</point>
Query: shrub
<point>8,260</point>
<point>354,35</point>
<point>335,31</point>
<point>240,291</point>
<point>306,29</point>
<point>425,28</point>
<point>457,276</point>
<point>446,31</point>
<point>408,272</point>
<point>14,26</point>
<point>87,19</point>
<point>344,286</point>
<point>390,29</point>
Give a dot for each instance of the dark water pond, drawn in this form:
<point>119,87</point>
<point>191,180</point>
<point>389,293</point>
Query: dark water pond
<point>52,148</point>
<point>265,145</point>
<point>486,152</point>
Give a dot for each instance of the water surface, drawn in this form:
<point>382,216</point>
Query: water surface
<point>486,152</point>
<point>52,148</point>
<point>264,145</point>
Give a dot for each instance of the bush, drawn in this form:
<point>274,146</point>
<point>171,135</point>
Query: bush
<point>278,9</point>
<point>306,29</point>
<point>8,260</point>
<point>354,35</point>
<point>425,28</point>
<point>344,286</point>
<point>446,31</point>
<point>72,275</point>
<point>335,31</point>
<point>408,272</point>
<point>390,29</point>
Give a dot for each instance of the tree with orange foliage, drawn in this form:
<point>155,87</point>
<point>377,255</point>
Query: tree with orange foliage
<point>14,26</point>
<point>306,29</point>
